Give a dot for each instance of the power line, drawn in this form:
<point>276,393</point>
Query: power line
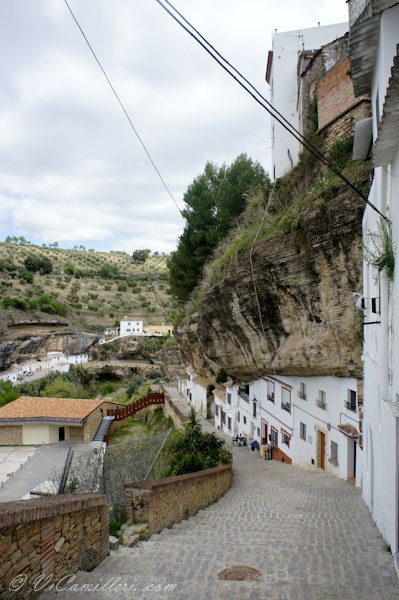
<point>123,107</point>
<point>257,96</point>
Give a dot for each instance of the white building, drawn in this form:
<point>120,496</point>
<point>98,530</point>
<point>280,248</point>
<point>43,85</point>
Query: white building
<point>312,422</point>
<point>281,75</point>
<point>374,54</point>
<point>199,393</point>
<point>130,326</point>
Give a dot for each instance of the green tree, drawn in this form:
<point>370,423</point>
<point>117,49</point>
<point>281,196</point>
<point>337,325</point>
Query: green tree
<point>242,179</point>
<point>7,393</point>
<point>140,256</point>
<point>200,234</point>
<point>107,271</point>
<point>38,264</point>
<point>60,388</point>
<point>213,201</point>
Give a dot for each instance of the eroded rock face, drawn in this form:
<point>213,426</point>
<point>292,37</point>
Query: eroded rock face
<point>296,315</point>
<point>25,347</point>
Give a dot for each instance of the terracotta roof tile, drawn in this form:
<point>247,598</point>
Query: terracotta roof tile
<point>26,407</point>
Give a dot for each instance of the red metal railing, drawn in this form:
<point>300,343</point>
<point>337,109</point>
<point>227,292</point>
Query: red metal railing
<point>131,409</point>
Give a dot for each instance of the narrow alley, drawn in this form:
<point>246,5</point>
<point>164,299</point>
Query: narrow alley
<point>289,534</point>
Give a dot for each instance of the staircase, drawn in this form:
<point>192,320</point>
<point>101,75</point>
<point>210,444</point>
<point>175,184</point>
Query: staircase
<point>103,428</point>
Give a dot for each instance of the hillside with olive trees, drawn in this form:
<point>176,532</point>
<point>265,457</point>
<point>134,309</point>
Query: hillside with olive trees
<point>79,289</point>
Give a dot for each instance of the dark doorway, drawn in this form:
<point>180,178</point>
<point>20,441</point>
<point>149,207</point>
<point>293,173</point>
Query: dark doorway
<point>61,434</point>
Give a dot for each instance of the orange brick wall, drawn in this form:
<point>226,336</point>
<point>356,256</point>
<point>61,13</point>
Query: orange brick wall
<point>335,93</point>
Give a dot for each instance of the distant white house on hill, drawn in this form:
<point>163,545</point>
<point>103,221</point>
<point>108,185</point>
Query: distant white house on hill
<point>130,326</point>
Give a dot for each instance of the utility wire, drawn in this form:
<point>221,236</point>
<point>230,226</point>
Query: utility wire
<point>257,96</point>
<point>123,108</point>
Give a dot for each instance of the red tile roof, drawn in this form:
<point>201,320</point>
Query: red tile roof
<point>36,408</point>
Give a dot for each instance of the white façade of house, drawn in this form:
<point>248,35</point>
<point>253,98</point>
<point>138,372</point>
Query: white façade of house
<point>199,393</point>
<point>374,56</point>
<point>327,425</point>
<point>130,326</point>
<point>237,409</point>
<point>312,422</point>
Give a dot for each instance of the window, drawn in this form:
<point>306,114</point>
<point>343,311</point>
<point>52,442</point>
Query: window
<point>273,437</point>
<point>285,438</point>
<point>302,390</point>
<point>229,423</point>
<point>223,418</point>
<point>286,399</point>
<point>245,420</point>
<point>302,431</point>
<point>334,453</point>
<point>228,398</point>
<point>243,392</point>
<point>254,410</point>
<point>321,400</point>
<point>216,410</point>
<point>238,416</point>
<point>351,401</point>
<point>258,431</point>
<point>270,391</point>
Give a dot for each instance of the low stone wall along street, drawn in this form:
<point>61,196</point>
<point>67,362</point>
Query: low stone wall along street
<point>164,502</point>
<point>45,540</point>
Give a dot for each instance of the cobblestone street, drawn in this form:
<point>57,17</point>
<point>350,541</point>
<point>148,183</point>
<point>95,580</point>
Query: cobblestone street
<point>310,536</point>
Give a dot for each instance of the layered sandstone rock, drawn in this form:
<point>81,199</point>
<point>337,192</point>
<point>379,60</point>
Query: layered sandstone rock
<point>295,315</point>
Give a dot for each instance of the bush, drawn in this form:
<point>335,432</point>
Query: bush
<point>194,451</point>
<point>26,275</point>
<point>38,264</point>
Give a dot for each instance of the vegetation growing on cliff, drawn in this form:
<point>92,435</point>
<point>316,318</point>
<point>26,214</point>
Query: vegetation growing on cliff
<point>307,187</point>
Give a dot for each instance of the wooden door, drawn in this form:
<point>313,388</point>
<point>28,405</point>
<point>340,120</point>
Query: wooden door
<point>322,449</point>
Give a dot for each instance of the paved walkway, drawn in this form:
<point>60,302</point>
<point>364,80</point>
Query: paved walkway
<point>310,536</point>
<point>40,462</point>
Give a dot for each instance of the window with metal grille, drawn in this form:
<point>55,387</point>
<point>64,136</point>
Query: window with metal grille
<point>273,437</point>
<point>334,453</point>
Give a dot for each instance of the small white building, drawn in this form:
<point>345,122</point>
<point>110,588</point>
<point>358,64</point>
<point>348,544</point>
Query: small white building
<point>281,75</point>
<point>130,326</point>
<point>199,393</point>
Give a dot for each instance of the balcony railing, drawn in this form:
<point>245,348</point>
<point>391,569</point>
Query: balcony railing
<point>349,405</point>
<point>243,395</point>
<point>270,397</point>
<point>286,406</point>
<point>321,403</point>
<point>302,395</point>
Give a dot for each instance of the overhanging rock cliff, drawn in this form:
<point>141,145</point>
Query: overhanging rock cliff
<point>302,319</point>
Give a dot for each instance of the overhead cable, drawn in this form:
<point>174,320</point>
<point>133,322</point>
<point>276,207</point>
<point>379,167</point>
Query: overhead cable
<point>123,108</point>
<point>257,96</point>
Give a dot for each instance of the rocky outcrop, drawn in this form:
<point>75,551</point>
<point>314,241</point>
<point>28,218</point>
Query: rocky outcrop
<point>25,347</point>
<point>295,315</point>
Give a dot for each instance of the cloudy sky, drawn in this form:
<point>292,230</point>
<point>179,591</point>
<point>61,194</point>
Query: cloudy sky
<point>71,168</point>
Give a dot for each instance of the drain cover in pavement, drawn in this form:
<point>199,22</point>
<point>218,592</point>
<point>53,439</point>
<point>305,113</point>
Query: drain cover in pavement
<point>240,573</point>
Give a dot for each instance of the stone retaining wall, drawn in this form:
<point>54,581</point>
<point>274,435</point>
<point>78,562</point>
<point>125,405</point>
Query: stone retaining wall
<point>163,502</point>
<point>50,537</point>
<point>170,410</point>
